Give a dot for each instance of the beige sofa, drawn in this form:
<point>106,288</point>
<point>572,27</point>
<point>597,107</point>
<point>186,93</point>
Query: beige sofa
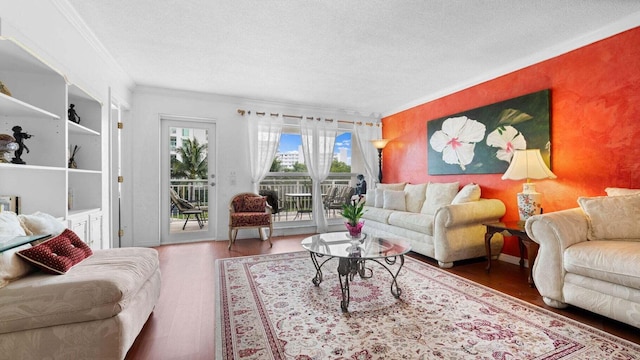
<point>589,256</point>
<point>440,220</point>
<point>94,311</point>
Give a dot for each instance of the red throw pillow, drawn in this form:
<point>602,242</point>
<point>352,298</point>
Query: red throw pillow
<point>58,255</point>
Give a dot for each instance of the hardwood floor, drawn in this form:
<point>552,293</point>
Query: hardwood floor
<point>183,323</point>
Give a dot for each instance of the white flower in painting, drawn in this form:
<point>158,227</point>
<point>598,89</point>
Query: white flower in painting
<point>457,140</point>
<point>508,139</point>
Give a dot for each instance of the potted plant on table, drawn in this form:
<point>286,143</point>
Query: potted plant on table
<point>353,211</point>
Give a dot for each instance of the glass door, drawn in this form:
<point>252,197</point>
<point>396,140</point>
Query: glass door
<point>188,180</point>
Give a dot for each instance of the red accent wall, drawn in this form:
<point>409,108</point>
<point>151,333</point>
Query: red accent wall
<point>595,126</point>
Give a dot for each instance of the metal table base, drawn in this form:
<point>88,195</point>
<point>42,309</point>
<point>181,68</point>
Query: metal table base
<point>348,268</point>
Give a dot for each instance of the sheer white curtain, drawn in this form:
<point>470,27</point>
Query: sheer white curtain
<point>318,139</point>
<point>364,134</point>
<point>264,137</point>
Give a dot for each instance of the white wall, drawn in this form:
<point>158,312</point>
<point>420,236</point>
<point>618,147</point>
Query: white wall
<point>232,150</point>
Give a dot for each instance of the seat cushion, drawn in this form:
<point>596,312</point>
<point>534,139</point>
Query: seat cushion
<point>250,219</point>
<point>610,261</point>
<point>99,287</point>
<point>421,223</point>
<point>377,214</point>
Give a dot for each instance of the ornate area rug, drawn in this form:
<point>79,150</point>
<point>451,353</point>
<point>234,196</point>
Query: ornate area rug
<point>268,308</point>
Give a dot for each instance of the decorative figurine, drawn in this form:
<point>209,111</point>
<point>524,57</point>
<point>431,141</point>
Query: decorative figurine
<point>361,186</point>
<point>72,115</point>
<point>19,136</point>
<point>7,143</point>
<point>72,160</point>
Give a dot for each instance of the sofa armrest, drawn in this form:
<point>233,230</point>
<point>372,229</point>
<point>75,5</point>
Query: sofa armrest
<point>474,212</point>
<point>555,232</point>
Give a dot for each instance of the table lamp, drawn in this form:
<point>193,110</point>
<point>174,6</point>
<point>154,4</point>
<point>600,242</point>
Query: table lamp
<point>528,164</point>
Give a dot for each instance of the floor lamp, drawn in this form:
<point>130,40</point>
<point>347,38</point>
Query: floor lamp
<point>380,144</point>
<point>528,164</point>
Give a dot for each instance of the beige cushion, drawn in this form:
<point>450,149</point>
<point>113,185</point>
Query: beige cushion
<point>611,191</point>
<point>610,261</point>
<point>612,217</point>
<point>376,214</point>
<point>12,267</point>
<point>42,223</point>
<point>470,192</point>
<point>10,224</point>
<point>421,223</point>
<point>395,186</point>
<point>439,195</point>
<point>379,198</point>
<point>394,200</point>
<point>414,196</point>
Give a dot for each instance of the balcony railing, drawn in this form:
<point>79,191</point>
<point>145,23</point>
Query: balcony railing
<point>195,191</point>
<point>293,193</point>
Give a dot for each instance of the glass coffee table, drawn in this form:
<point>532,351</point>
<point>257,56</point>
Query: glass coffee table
<point>353,256</point>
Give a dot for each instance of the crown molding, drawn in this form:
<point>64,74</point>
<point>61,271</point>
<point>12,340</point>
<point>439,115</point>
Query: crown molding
<point>622,25</point>
<point>70,13</point>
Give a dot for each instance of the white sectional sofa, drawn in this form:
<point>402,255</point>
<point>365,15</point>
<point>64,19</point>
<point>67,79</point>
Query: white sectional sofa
<point>589,256</point>
<point>440,221</point>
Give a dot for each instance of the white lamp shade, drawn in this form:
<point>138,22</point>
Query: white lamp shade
<point>528,164</point>
<point>380,143</point>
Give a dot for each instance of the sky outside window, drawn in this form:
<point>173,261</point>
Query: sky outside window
<point>292,142</point>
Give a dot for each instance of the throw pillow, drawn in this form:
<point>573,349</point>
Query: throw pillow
<point>611,191</point>
<point>379,202</point>
<point>10,224</point>
<point>414,196</point>
<point>11,267</point>
<point>42,223</point>
<point>395,186</point>
<point>612,217</point>
<point>254,204</point>
<point>394,200</point>
<point>439,195</point>
<point>59,254</point>
<point>470,192</point>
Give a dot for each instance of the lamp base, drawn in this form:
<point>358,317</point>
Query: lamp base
<point>529,202</point>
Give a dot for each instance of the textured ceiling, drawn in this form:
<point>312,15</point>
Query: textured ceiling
<point>367,56</point>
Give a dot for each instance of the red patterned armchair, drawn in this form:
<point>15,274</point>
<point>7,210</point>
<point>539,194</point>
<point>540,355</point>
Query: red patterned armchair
<point>249,211</point>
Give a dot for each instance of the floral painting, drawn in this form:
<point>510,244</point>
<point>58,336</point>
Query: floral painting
<point>482,140</point>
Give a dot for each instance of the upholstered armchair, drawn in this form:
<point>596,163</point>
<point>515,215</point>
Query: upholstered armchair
<point>249,211</point>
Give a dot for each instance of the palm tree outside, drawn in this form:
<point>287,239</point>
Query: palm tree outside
<point>191,163</point>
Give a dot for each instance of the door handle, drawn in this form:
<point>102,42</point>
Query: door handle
<point>212,183</point>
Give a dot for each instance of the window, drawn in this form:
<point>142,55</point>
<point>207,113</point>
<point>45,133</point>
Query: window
<point>290,179</point>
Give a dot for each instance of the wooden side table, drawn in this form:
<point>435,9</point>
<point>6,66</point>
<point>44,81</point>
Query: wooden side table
<point>512,228</point>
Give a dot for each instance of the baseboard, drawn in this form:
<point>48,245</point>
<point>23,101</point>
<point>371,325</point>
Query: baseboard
<point>512,259</point>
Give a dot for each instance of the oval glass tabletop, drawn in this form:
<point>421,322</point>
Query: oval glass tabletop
<point>339,244</point>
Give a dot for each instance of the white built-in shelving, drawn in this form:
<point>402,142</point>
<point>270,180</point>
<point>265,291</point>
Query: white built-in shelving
<point>40,97</point>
